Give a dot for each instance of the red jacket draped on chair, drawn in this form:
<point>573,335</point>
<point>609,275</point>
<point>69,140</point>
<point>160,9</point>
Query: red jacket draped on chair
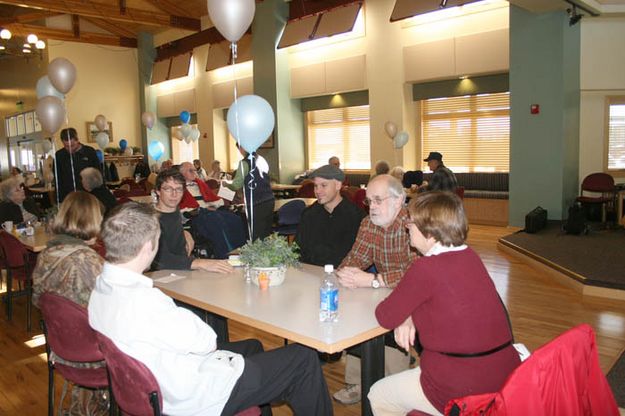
<point>562,377</point>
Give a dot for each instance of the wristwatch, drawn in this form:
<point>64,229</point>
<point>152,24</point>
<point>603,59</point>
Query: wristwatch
<point>375,283</point>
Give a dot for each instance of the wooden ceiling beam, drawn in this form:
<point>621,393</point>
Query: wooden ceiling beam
<point>19,29</point>
<point>186,44</point>
<point>115,28</point>
<point>168,7</point>
<point>27,17</point>
<point>106,11</point>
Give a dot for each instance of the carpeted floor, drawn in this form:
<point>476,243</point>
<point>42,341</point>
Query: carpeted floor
<point>599,256</point>
<point>615,377</point>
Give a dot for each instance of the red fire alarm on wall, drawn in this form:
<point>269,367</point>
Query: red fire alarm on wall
<point>535,109</point>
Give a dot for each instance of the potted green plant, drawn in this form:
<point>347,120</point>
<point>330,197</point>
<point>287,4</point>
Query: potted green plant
<point>271,256</point>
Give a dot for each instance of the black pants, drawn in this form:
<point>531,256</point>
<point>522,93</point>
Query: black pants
<point>263,219</point>
<point>290,374</point>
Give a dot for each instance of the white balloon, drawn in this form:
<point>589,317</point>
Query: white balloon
<point>62,74</point>
<point>102,139</point>
<point>187,140</point>
<point>50,113</point>
<point>195,135</point>
<point>100,122</point>
<point>186,130</point>
<point>45,88</point>
<point>128,151</point>
<point>400,140</point>
<point>231,17</point>
<point>46,146</point>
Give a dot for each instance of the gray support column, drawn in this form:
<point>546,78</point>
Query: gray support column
<point>544,148</point>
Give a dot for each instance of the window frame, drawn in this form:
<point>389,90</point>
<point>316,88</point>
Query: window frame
<point>610,100</point>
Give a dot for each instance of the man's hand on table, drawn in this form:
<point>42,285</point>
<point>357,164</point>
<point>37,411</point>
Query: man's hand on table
<point>353,277</point>
<point>216,266</point>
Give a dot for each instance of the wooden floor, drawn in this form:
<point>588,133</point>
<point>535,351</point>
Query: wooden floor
<point>539,308</point>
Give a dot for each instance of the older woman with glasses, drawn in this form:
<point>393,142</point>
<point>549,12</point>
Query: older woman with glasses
<point>15,206</point>
<point>447,297</point>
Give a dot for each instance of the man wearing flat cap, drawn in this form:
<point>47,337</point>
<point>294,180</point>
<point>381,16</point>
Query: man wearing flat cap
<point>442,179</point>
<point>328,228</point>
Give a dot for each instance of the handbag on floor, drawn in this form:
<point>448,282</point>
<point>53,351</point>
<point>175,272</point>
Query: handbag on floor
<point>535,220</point>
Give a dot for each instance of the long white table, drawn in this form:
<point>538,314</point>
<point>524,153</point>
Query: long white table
<point>291,311</point>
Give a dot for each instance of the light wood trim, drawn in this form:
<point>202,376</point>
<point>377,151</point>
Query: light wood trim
<point>20,29</point>
<point>113,27</point>
<point>486,211</point>
<point>610,99</point>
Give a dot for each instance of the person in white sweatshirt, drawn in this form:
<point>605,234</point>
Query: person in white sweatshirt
<point>196,375</point>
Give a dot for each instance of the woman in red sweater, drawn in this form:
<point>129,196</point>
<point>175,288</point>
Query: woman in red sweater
<point>449,298</point>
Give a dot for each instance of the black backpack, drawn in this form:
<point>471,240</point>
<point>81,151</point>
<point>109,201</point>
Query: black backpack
<point>576,222</point>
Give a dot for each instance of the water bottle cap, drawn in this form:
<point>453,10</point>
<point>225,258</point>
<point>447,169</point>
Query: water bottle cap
<point>328,268</point>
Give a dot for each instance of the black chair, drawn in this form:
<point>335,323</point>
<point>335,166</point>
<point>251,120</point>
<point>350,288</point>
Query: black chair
<point>289,216</point>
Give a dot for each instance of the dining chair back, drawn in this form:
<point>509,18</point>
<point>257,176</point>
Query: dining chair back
<point>289,216</point>
<point>601,186</point>
<point>71,345</point>
<point>19,264</point>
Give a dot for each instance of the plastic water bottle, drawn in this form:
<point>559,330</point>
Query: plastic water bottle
<point>329,296</point>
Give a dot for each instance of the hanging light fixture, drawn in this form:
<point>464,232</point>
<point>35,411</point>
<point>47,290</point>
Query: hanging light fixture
<point>40,44</point>
<point>5,34</point>
<point>32,38</point>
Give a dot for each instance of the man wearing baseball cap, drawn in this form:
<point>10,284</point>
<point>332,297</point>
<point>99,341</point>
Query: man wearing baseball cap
<point>442,179</point>
<point>329,227</point>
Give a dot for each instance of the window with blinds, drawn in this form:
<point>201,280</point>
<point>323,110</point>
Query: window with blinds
<point>472,132</point>
<point>616,133</point>
<point>342,132</point>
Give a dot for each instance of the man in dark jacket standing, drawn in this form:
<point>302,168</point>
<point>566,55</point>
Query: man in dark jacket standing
<point>442,179</point>
<point>70,160</point>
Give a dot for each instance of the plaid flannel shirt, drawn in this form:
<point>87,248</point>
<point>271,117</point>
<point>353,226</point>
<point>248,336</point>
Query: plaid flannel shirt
<point>389,249</point>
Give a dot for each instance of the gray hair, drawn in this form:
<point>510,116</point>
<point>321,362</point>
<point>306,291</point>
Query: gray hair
<point>7,187</point>
<point>395,188</point>
<point>92,178</point>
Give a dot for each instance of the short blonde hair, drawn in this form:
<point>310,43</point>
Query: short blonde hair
<point>440,215</point>
<point>7,187</point>
<point>80,216</point>
<point>127,228</point>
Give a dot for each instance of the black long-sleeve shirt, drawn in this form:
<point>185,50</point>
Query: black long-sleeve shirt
<point>85,157</point>
<point>326,238</point>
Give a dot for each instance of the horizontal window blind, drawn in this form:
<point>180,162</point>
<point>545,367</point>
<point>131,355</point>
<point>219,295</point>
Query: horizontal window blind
<point>616,134</point>
<point>472,132</point>
<point>342,132</point>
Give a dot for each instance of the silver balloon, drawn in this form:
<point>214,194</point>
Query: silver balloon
<point>45,89</point>
<point>178,134</point>
<point>400,140</point>
<point>147,118</point>
<point>100,122</point>
<point>187,140</point>
<point>102,139</point>
<point>50,113</point>
<point>391,129</point>
<point>128,151</point>
<point>46,146</point>
<point>62,74</point>
<point>231,17</point>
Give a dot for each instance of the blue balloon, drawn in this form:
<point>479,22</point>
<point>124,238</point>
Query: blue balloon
<point>100,155</point>
<point>251,121</point>
<point>123,144</point>
<point>156,149</point>
<point>185,116</point>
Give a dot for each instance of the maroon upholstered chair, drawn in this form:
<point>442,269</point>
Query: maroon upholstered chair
<point>597,183</point>
<point>359,199</point>
<point>19,265</point>
<point>133,385</point>
<point>71,345</point>
<point>307,189</point>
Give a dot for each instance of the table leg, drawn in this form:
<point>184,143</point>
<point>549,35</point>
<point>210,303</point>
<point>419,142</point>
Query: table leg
<point>371,367</point>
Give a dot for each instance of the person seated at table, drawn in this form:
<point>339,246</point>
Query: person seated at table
<point>16,172</point>
<point>381,168</point>
<point>197,194</point>
<point>196,373</point>
<point>15,206</point>
<point>448,297</point>
<point>201,172</point>
<point>328,228</point>
<point>443,179</point>
<point>141,169</point>
<point>176,244</point>
<point>69,265</point>
<point>93,183</point>
<point>383,242</point>
<point>397,172</point>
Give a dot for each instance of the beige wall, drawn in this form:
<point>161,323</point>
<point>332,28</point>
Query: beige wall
<point>106,83</point>
<point>603,40</point>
